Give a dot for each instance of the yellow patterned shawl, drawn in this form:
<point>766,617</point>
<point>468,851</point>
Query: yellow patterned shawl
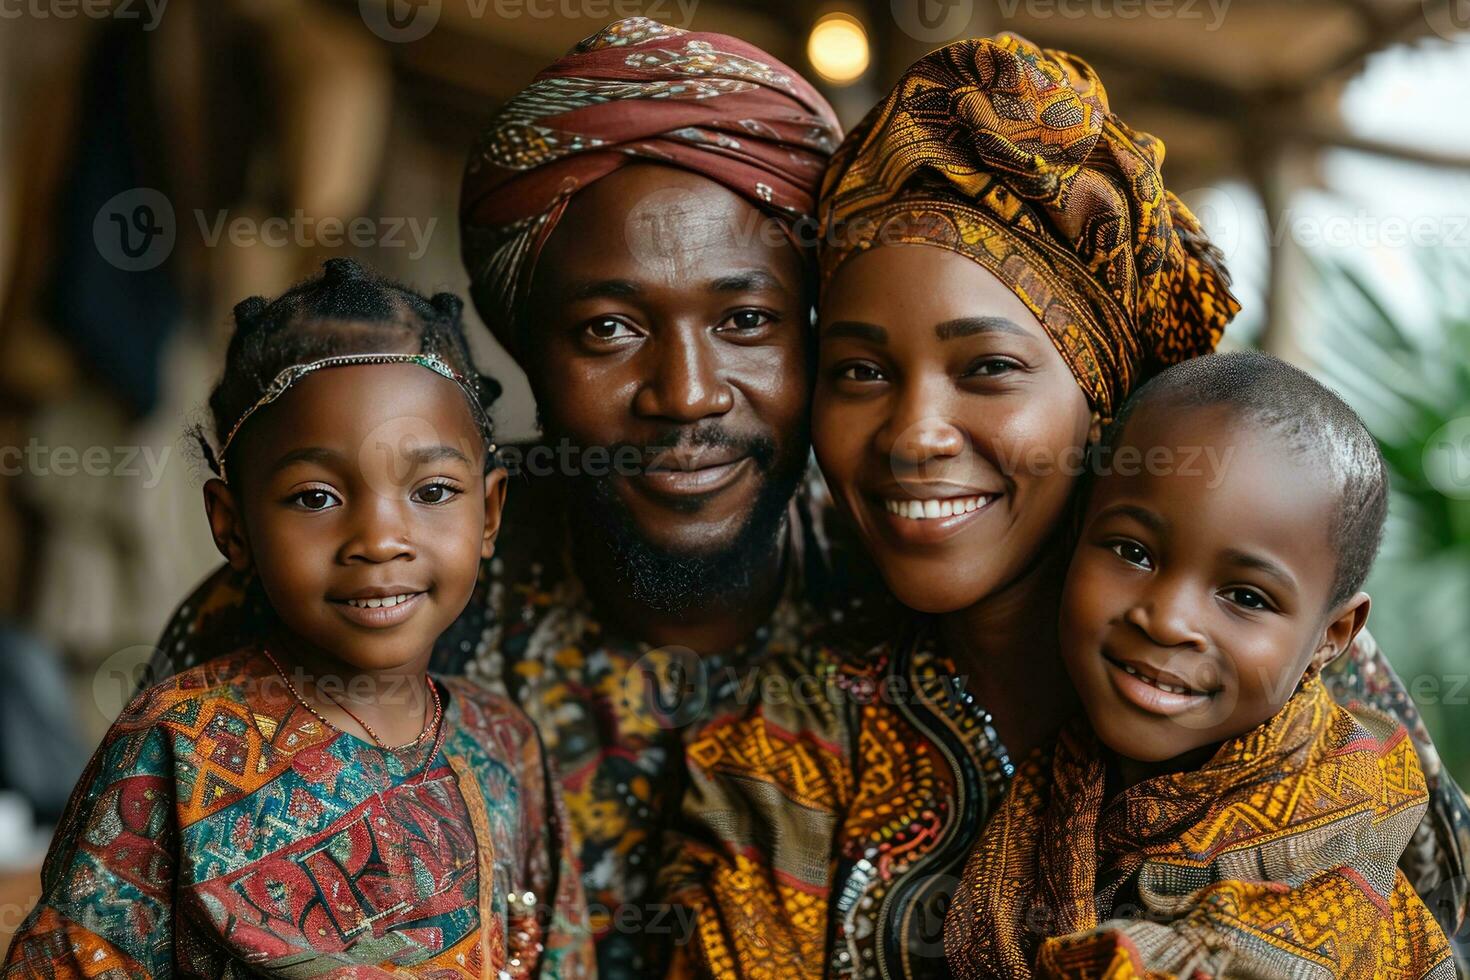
<point>1275,859</point>
<point>1010,156</point>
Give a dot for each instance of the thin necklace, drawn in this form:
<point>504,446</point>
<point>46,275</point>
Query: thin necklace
<point>428,727</point>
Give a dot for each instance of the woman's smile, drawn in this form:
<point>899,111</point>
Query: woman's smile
<point>917,519</point>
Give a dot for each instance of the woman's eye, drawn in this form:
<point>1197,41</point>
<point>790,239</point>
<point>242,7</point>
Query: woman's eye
<point>314,500</point>
<point>435,493</point>
<point>861,372</point>
<point>1247,598</point>
<point>992,367</point>
<point>609,328</point>
<point>1132,552</point>
<point>747,320</point>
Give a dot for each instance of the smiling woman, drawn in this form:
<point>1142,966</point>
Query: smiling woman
<point>1002,266</point>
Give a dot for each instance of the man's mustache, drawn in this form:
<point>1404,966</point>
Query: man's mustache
<point>759,447</point>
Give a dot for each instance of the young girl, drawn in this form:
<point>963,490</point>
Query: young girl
<point>316,803</point>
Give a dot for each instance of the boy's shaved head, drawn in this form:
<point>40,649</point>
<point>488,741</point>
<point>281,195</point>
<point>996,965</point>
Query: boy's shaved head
<point>1309,418</point>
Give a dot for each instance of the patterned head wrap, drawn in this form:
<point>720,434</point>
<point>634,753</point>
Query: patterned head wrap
<point>635,91</point>
<point>1009,155</point>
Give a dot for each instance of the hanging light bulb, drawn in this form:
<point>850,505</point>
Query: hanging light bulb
<point>838,48</point>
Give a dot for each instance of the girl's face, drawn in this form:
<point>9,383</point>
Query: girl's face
<point>947,425</point>
<point>361,501</point>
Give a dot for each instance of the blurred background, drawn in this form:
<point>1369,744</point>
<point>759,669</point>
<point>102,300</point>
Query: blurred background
<point>162,159</point>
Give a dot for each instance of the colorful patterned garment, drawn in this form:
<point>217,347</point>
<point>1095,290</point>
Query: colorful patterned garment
<point>612,713</point>
<point>826,837</point>
<point>1276,858</point>
<point>221,830</point>
<point>636,91</point>
<point>1009,156</point>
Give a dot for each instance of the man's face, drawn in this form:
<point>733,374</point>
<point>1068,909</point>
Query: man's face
<point>668,315</point>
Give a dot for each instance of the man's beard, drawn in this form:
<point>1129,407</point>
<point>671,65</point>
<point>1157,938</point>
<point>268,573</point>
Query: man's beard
<point>672,581</point>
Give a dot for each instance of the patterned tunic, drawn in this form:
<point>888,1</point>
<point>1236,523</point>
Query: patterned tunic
<point>826,838</point>
<point>221,830</point>
<point>1274,858</point>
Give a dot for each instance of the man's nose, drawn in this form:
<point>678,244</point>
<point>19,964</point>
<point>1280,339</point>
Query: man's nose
<point>683,383</point>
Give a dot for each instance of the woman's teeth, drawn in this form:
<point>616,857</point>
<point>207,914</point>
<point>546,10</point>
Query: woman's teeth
<point>1154,682</point>
<point>384,602</point>
<point>924,510</point>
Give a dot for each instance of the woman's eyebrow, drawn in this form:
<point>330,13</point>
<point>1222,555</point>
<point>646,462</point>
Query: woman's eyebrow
<point>969,326</point>
<point>857,330</point>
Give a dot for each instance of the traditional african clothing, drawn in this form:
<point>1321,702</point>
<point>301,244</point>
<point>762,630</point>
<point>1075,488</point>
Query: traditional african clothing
<point>593,692</point>
<point>827,840</point>
<point>1275,858</point>
<point>222,830</point>
<point>826,837</point>
<point>637,91</point>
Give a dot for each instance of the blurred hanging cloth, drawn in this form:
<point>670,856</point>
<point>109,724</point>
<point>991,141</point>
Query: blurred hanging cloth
<point>112,295</point>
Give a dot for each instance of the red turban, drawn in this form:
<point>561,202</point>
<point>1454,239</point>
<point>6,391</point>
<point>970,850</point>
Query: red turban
<point>635,91</point>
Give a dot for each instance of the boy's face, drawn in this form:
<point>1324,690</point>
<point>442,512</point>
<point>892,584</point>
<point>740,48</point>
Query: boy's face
<point>1199,590</point>
<point>362,484</point>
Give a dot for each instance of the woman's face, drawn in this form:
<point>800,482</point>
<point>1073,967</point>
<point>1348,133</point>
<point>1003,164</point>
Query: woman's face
<point>947,425</point>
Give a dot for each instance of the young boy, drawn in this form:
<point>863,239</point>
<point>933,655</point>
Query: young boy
<point>1215,813</point>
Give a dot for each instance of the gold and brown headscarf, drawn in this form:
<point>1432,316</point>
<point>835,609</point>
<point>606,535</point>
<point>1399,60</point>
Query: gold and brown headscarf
<point>1009,155</point>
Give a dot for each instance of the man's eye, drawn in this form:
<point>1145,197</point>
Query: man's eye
<point>435,493</point>
<point>747,320</point>
<point>610,328</point>
<point>1247,598</point>
<point>861,372</point>
<point>314,500</point>
<point>1132,552</point>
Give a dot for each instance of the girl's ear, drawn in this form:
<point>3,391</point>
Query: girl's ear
<point>496,482</point>
<point>1346,623</point>
<point>226,524</point>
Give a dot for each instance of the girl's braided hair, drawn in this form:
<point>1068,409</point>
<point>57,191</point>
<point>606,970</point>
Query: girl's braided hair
<point>344,309</point>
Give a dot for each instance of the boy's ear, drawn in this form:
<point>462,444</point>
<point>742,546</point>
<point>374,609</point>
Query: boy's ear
<point>496,482</point>
<point>1347,622</point>
<point>226,524</point>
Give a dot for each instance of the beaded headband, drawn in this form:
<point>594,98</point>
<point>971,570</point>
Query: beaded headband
<point>288,377</point>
